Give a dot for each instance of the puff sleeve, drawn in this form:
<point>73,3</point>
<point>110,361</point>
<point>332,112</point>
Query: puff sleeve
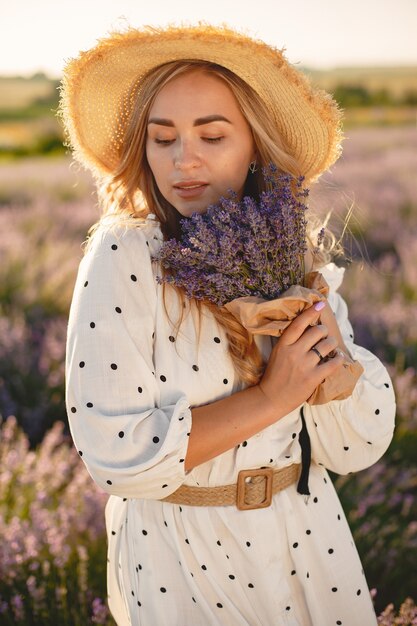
<point>131,446</point>
<point>352,434</point>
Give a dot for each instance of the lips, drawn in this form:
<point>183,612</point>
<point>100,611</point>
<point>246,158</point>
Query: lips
<point>190,184</point>
<point>190,188</point>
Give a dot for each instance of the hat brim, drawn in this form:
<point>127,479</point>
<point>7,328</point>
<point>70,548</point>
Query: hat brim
<point>95,91</point>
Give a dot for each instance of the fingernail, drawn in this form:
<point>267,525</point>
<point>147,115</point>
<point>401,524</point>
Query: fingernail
<point>319,305</point>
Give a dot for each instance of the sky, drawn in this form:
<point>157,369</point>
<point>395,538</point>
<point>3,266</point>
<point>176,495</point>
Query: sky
<point>40,35</point>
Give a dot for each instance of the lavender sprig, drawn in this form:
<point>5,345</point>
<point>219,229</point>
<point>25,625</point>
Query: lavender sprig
<point>241,248</point>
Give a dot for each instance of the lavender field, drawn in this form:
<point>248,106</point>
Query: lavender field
<point>53,545</point>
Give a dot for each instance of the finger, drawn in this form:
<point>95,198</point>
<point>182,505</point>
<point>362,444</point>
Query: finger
<point>324,348</point>
<point>314,334</point>
<point>298,325</point>
<point>326,368</point>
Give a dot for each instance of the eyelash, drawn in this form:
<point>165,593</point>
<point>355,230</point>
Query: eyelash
<point>167,142</point>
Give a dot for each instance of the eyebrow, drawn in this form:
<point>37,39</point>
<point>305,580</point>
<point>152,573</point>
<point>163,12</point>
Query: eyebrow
<point>200,121</point>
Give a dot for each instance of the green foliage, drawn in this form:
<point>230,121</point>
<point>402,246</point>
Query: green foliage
<point>352,96</point>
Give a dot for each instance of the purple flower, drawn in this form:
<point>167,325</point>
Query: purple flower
<point>100,612</point>
<point>241,248</point>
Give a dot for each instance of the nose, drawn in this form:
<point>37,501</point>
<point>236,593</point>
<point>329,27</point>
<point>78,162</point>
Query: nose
<point>186,156</point>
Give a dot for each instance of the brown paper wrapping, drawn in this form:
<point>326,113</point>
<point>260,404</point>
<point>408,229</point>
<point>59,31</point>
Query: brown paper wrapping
<point>271,317</point>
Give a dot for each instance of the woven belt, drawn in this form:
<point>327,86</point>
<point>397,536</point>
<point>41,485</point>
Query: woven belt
<point>254,489</point>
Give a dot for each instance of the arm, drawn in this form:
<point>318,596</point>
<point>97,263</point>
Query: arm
<point>292,374</point>
<point>131,446</point>
<point>352,434</point>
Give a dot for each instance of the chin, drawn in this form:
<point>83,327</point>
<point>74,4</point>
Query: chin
<point>189,210</point>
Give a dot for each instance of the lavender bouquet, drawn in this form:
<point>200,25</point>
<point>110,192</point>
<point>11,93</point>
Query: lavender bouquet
<point>248,257</point>
<point>244,248</point>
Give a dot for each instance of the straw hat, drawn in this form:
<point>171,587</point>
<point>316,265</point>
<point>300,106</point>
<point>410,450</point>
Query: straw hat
<point>97,88</point>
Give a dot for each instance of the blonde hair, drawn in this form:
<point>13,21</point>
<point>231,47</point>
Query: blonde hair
<point>131,192</point>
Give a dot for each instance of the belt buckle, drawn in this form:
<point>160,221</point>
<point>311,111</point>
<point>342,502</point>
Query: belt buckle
<point>242,483</point>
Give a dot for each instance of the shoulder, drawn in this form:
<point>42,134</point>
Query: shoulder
<point>118,255</point>
<point>333,275</point>
<point>137,240</point>
<point>117,268</point>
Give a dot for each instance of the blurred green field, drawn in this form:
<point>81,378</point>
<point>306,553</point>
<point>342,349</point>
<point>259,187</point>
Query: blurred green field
<point>19,93</point>
<point>398,81</point>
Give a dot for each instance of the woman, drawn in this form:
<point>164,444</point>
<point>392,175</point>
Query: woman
<point>164,394</point>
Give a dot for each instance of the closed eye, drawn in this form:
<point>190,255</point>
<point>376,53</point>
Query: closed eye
<point>167,142</point>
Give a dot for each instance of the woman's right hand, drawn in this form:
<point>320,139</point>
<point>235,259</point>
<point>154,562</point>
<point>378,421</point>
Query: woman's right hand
<point>294,370</point>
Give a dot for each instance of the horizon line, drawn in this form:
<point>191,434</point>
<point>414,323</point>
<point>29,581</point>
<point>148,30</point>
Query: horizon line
<point>315,68</point>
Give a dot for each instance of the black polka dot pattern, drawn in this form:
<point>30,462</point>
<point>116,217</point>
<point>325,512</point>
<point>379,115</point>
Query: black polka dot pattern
<point>222,567</point>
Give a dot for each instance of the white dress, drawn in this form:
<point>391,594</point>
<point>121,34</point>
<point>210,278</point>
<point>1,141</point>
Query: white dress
<point>131,381</point>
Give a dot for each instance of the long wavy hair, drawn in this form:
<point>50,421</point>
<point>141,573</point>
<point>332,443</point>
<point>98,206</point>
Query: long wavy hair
<point>131,193</point>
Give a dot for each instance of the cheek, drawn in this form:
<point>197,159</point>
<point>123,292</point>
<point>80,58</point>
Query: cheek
<point>157,164</point>
<point>240,170</point>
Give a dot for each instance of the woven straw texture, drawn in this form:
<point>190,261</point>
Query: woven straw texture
<point>99,87</point>
<point>226,495</point>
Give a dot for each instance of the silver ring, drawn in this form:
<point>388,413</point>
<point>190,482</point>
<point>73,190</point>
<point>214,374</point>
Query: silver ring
<point>314,349</point>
